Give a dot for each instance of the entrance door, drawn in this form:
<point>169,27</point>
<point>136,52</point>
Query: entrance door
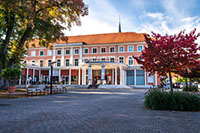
<point>108,78</point>
<point>55,79</point>
<point>96,80</point>
<point>67,80</point>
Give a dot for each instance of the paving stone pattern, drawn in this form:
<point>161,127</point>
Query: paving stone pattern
<point>92,111</point>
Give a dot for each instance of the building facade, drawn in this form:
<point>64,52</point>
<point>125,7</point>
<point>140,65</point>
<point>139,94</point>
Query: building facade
<point>104,59</point>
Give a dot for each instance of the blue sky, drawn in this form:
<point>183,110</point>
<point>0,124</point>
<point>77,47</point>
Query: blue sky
<point>142,16</point>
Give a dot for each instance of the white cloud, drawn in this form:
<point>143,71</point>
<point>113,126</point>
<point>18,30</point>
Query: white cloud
<point>156,15</point>
<point>104,17</point>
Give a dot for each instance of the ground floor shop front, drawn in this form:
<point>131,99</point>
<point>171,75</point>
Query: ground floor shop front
<point>91,73</point>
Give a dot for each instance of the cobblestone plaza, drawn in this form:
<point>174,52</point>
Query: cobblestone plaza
<point>96,111</point>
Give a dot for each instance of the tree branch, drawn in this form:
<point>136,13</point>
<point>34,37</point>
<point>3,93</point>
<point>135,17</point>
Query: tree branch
<point>10,24</point>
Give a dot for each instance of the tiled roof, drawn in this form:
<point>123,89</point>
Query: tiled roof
<point>106,38</point>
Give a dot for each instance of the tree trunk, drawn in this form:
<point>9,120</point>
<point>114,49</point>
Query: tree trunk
<point>186,75</point>
<point>170,79</point>
<point>2,85</point>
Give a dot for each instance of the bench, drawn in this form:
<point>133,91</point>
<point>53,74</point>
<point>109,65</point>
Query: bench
<point>45,91</point>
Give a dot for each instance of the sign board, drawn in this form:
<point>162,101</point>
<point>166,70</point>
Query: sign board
<point>150,78</point>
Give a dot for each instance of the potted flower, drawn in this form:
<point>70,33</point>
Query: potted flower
<point>10,75</point>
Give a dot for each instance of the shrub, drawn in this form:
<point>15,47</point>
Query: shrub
<point>179,101</point>
<point>191,88</point>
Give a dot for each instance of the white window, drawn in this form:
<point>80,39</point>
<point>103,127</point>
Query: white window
<point>86,51</point>
<point>75,51</point>
<point>58,63</point>
<point>139,48</point>
<point>41,63</point>
<point>103,50</point>
<point>130,49</point>
<point>112,49</point>
<point>49,52</point>
<point>58,52</point>
<point>33,53</point>
<point>49,62</point>
<point>94,50</point>
<point>103,59</point>
<point>75,62</point>
<point>121,49</point>
<point>112,59</point>
<point>130,61</point>
<point>67,62</point>
<point>67,51</point>
<point>94,60</point>
<point>121,59</point>
<point>33,62</point>
<point>41,53</point>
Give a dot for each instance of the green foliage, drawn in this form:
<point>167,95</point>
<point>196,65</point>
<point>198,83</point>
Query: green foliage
<point>181,80</point>
<point>191,88</point>
<point>11,73</point>
<point>22,21</point>
<point>178,101</point>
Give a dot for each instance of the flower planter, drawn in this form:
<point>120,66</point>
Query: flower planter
<point>11,89</point>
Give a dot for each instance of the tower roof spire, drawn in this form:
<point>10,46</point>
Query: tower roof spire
<point>120,25</point>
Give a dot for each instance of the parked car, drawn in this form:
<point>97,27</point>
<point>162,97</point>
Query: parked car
<point>196,84</point>
<point>184,84</point>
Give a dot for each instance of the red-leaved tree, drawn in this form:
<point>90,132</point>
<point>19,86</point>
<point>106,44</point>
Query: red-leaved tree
<point>169,53</point>
<point>193,74</point>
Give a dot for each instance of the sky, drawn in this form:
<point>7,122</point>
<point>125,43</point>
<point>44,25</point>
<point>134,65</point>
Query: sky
<point>141,16</point>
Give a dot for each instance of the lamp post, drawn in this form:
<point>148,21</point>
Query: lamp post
<point>51,80</point>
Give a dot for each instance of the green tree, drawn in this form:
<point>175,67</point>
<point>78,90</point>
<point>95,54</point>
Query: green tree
<point>21,21</point>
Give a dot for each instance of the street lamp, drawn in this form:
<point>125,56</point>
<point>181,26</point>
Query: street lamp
<point>51,80</point>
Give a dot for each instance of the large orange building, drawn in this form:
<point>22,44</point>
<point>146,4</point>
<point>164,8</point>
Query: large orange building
<point>90,59</point>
